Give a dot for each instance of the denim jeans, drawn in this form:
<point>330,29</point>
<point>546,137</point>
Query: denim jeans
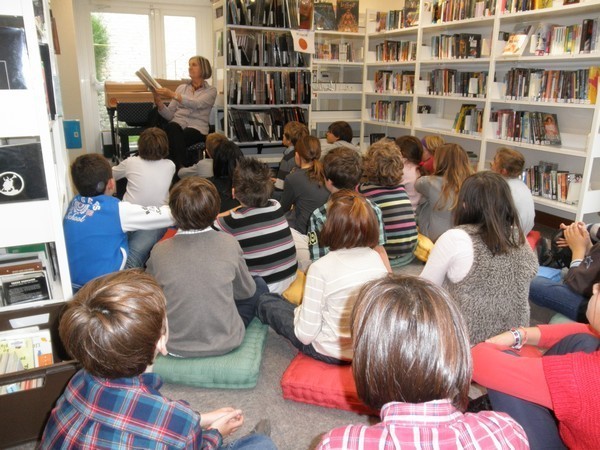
<point>140,245</point>
<point>539,422</point>
<point>247,307</point>
<point>558,297</point>
<point>278,313</point>
<point>251,442</point>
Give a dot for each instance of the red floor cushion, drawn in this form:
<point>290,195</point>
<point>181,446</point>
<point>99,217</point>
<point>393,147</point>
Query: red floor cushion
<point>307,380</point>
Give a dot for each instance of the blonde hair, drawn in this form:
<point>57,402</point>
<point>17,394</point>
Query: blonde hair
<point>205,68</point>
<point>383,164</point>
<point>452,164</point>
<point>432,142</point>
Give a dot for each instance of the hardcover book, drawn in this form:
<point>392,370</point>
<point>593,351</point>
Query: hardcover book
<point>324,16</point>
<point>551,133</point>
<point>347,16</point>
<point>517,41</point>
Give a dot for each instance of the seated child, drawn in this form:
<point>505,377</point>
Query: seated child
<point>383,170</point>
<point>211,296</point>
<point>343,170</point>
<point>430,143</point>
<point>420,386</point>
<point>412,152</point>
<point>204,167</point>
<point>292,131</point>
<point>260,226</point>
<point>570,296</point>
<point>96,223</point>
<point>509,163</point>
<point>149,177</point>
<point>226,156</point>
<point>339,134</point>
<point>319,326</point>
<point>115,326</point>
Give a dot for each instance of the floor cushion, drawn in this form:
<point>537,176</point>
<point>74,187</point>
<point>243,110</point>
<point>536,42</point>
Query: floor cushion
<point>307,380</point>
<point>238,369</point>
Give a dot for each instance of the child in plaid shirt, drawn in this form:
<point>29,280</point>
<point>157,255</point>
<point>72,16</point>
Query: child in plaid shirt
<point>115,326</point>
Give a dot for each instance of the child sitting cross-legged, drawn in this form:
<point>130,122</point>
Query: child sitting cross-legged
<point>260,226</point>
<point>115,326</point>
<point>211,295</point>
<point>319,327</point>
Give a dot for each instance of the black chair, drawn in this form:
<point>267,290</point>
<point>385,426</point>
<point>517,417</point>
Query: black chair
<point>136,117</point>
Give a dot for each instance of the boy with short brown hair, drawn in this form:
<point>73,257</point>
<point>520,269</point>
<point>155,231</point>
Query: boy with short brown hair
<point>114,326</point>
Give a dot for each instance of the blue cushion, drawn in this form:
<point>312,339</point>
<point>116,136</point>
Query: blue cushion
<point>238,369</point>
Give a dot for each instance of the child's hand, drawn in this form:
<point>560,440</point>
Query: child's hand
<point>578,239</point>
<point>207,419</point>
<point>229,423</point>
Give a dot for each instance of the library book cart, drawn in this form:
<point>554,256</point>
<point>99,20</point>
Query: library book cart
<point>34,275</point>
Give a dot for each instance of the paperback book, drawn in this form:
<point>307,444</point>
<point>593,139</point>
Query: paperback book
<point>324,16</point>
<point>147,79</point>
<point>347,16</point>
<point>517,41</point>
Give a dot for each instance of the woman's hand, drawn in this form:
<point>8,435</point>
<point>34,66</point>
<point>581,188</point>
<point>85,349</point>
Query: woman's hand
<point>167,93</point>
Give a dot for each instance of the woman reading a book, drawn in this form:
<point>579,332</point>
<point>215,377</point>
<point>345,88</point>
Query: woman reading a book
<point>188,110</point>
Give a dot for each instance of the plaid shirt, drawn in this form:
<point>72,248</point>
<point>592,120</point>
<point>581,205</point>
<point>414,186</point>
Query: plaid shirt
<point>316,222</point>
<point>432,425</point>
<point>104,413</point>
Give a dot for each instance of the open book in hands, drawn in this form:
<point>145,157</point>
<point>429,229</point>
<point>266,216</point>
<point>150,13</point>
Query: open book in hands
<point>147,79</point>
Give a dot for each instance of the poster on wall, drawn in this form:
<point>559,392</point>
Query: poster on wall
<point>22,175</point>
<point>13,53</point>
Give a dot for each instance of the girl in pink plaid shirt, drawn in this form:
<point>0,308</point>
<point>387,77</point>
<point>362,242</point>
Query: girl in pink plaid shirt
<point>412,361</point>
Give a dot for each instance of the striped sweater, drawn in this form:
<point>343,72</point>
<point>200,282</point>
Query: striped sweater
<point>398,217</point>
<point>265,238</point>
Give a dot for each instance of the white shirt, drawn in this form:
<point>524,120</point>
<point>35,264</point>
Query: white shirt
<point>452,257</point>
<point>323,318</point>
<point>148,182</point>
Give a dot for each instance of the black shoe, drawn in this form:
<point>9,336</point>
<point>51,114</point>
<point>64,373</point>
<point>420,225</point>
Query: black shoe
<point>479,404</point>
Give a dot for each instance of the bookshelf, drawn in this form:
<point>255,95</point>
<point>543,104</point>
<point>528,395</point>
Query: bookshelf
<point>261,81</point>
<point>34,194</point>
<point>35,187</point>
<point>434,103</point>
<point>337,80</point>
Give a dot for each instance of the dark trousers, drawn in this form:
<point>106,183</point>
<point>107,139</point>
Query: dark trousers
<point>247,307</point>
<point>179,140</point>
<point>278,313</point>
<point>539,422</point>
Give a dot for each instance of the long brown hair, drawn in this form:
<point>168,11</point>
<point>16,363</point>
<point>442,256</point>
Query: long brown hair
<point>309,150</point>
<point>485,200</point>
<point>452,164</point>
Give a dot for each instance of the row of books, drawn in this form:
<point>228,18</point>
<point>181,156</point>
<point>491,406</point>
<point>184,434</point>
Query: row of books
<point>451,82</point>
<point>342,18</point>
<point>392,51</point>
<point>452,10</point>
<point>545,180</point>
<point>271,13</point>
<point>398,18</point>
<point>530,127</point>
<point>342,52</point>
<point>263,125</point>
<point>259,87</point>
<point>24,349</point>
<point>397,111</point>
<point>562,86</point>
<point>456,46</point>
<point>263,48</point>
<point>396,82</point>
<point>550,39</point>
<point>468,120</point>
<point>24,278</point>
<point>513,6</point>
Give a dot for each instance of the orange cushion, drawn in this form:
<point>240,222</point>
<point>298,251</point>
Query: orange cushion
<point>307,380</point>
<point>169,233</point>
